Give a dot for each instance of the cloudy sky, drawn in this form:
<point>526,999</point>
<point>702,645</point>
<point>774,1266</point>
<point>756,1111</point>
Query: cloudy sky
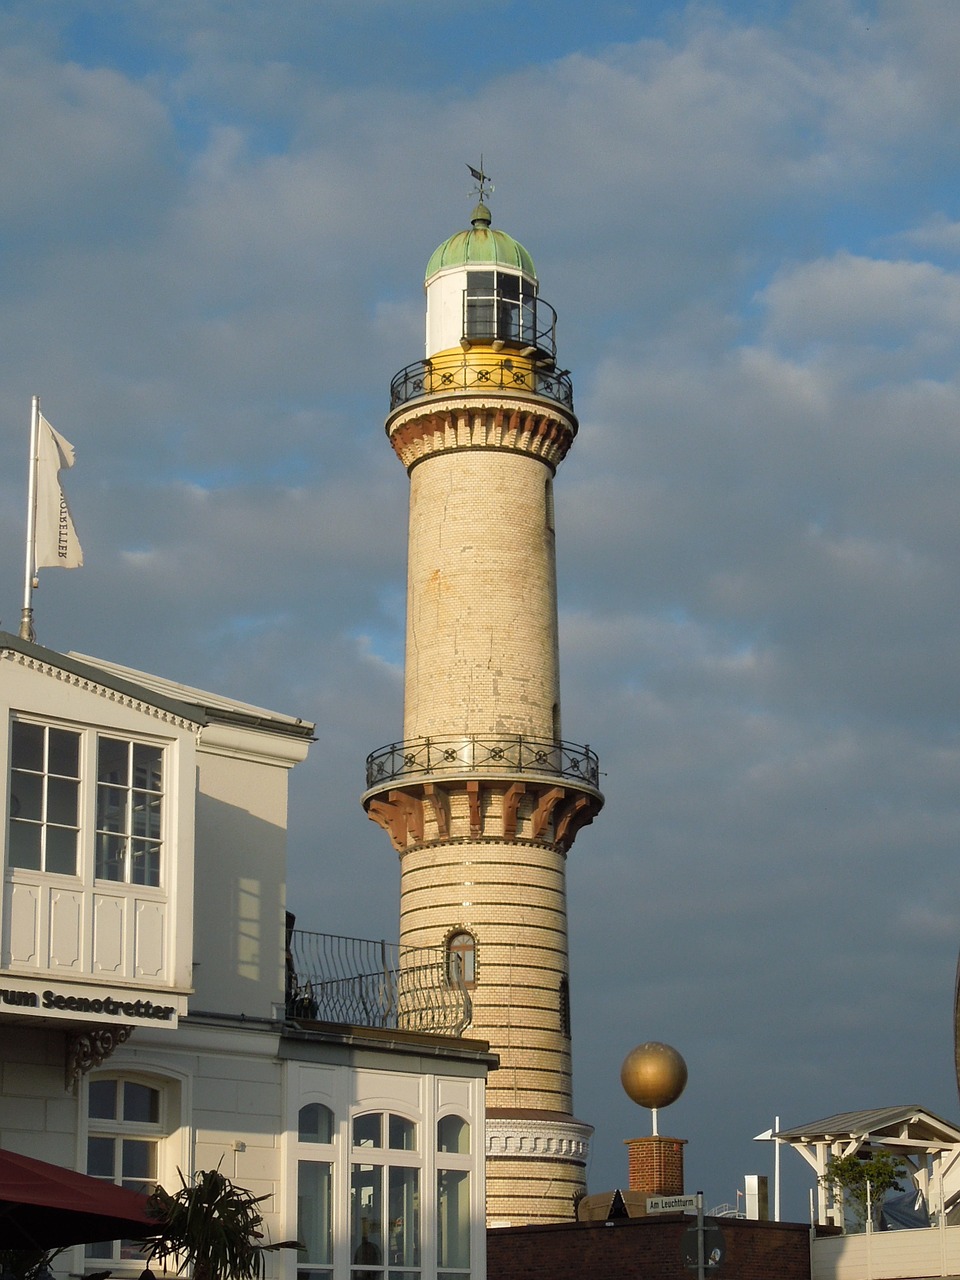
<point>214,219</point>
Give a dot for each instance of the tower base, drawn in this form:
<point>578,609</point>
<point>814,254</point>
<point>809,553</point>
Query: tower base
<point>535,1166</point>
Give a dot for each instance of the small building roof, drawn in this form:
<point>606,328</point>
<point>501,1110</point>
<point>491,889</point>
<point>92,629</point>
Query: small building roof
<point>927,1144</point>
<point>480,246</point>
<point>182,700</point>
<point>885,1126</point>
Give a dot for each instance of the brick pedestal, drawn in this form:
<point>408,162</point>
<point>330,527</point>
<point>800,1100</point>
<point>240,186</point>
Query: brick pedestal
<point>656,1165</point>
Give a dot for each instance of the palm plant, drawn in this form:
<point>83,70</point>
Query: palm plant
<point>27,1264</point>
<point>211,1226</point>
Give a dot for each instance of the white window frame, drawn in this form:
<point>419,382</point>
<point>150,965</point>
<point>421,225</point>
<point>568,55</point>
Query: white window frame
<point>90,736</point>
<point>386,1158</point>
<point>456,1162</point>
<point>307,1151</point>
<point>168,1133</point>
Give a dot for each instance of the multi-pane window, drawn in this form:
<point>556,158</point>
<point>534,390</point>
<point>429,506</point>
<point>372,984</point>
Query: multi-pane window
<point>315,1193</point>
<point>500,306</point>
<point>385,1199</point>
<point>64,781</point>
<point>453,1198</point>
<point>124,1131</point>
<point>129,811</point>
<point>44,798</point>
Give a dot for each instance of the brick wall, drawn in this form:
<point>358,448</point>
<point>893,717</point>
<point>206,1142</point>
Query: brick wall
<point>656,1165</point>
<point>644,1249</point>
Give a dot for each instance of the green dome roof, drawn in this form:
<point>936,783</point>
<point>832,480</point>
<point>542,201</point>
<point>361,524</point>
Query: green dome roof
<point>480,246</point>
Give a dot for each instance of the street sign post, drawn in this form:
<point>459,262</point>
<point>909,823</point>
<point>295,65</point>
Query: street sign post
<point>670,1204</point>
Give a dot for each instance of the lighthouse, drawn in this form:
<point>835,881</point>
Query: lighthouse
<point>482,797</point>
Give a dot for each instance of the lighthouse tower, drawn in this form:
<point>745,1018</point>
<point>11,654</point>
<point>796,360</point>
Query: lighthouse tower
<point>483,798</point>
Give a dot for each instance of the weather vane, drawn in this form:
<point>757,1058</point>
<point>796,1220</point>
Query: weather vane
<point>484,185</point>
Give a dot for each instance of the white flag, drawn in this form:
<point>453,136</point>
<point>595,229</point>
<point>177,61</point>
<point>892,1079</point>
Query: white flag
<point>56,543</point>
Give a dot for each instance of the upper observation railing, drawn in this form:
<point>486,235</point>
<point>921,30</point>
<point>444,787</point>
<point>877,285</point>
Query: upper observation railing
<point>476,372</point>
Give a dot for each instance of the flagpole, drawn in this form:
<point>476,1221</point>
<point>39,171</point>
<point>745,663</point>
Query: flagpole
<point>29,573</point>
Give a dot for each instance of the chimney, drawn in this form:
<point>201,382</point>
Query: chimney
<point>656,1165</point>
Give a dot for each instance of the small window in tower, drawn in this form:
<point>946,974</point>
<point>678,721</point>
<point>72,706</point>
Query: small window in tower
<point>565,1006</point>
<point>462,959</point>
<point>508,307</point>
<point>479,320</point>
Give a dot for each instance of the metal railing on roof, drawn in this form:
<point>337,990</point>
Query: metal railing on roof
<point>368,983</point>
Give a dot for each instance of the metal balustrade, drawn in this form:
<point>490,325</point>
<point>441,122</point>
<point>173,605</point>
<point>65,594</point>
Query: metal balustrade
<point>485,756</point>
<point>367,983</point>
<point>422,379</point>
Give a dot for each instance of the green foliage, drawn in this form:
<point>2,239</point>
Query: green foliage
<point>882,1170</point>
<point>212,1227</point>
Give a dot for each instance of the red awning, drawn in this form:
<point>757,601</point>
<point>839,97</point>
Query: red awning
<point>45,1206</point>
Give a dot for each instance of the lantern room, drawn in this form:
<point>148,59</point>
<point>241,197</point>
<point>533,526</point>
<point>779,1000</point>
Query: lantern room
<point>482,291</point>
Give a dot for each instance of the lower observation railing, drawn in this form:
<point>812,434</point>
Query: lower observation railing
<point>366,983</point>
<point>507,754</point>
<point>422,379</point>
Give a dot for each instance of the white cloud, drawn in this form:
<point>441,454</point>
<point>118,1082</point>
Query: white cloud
<point>757,526</point>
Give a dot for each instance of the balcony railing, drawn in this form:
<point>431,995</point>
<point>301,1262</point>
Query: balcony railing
<point>365,983</point>
<point>422,379</point>
<point>486,756</point>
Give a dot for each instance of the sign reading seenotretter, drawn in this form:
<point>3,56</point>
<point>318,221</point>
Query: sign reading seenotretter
<point>84,1003</point>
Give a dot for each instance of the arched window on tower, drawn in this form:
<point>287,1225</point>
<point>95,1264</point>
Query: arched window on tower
<point>462,959</point>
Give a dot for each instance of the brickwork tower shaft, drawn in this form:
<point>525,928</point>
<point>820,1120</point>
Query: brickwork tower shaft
<point>483,798</point>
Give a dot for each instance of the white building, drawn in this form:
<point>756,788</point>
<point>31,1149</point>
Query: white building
<point>159,1013</point>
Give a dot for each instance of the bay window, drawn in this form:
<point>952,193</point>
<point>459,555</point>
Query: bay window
<point>57,775</point>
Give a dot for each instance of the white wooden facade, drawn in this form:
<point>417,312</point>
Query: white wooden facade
<point>143,977</point>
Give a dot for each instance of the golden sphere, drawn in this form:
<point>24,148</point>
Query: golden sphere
<point>653,1074</point>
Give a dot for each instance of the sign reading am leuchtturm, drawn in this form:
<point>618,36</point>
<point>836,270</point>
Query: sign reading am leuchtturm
<point>670,1204</point>
<point>90,1004</point>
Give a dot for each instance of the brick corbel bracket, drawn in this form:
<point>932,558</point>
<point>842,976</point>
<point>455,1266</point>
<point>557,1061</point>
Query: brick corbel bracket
<point>401,816</point>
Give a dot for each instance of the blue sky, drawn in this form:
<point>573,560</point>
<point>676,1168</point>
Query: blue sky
<point>213,229</point>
